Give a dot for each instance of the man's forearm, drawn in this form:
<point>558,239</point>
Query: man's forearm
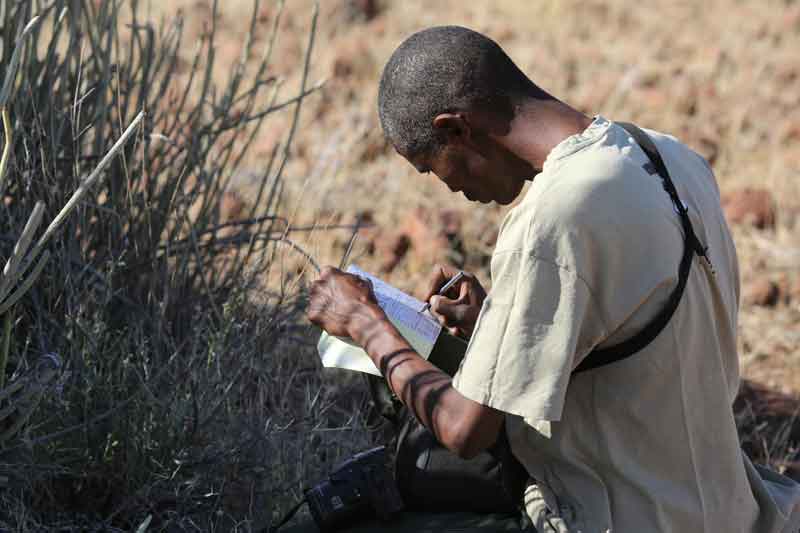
<point>464,426</point>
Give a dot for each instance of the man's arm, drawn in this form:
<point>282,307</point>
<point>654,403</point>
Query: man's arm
<point>464,426</point>
<point>343,304</point>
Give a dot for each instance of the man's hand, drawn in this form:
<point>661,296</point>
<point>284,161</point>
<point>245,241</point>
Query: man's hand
<point>343,304</point>
<point>458,308</point>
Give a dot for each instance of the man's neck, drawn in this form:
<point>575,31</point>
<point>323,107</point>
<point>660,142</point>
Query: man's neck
<point>538,126</point>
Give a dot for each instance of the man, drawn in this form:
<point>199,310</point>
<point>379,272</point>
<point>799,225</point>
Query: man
<point>585,261</point>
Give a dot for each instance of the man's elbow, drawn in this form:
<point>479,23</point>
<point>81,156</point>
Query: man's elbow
<point>469,450</point>
<point>467,440</point>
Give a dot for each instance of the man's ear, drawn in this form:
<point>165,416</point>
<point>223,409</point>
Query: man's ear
<point>454,126</point>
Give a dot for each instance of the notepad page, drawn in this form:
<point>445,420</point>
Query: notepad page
<point>401,307</point>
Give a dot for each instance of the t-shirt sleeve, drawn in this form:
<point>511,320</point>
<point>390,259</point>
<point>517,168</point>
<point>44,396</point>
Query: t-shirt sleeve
<point>537,324</point>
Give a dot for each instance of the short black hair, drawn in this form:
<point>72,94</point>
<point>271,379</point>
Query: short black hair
<point>443,69</point>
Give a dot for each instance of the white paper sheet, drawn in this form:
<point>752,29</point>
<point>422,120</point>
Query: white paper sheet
<point>419,329</point>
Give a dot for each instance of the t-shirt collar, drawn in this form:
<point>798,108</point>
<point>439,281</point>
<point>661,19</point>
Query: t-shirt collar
<point>573,143</point>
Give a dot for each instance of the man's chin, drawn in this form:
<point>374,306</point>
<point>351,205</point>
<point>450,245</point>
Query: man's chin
<point>504,200</point>
<point>481,200</point>
<point>508,198</point>
<point>486,201</point>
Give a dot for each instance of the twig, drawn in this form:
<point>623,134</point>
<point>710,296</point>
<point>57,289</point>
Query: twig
<point>8,322</point>
<point>6,151</point>
<point>277,107</point>
<point>10,274</point>
<point>350,244</point>
<point>259,220</point>
<point>294,246</point>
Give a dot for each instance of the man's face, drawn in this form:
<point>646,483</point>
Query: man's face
<point>483,175</point>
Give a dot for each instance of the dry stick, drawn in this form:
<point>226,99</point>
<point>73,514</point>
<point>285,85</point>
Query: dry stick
<point>6,151</point>
<point>294,246</point>
<point>259,220</point>
<point>168,249</point>
<point>277,107</point>
<point>238,240</point>
<point>8,322</point>
<point>350,244</point>
<point>20,249</point>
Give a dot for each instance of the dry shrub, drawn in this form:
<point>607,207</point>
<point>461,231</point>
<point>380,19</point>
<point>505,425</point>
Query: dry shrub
<point>187,387</point>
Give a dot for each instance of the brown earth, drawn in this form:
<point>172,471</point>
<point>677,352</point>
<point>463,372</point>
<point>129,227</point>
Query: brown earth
<point>755,207</point>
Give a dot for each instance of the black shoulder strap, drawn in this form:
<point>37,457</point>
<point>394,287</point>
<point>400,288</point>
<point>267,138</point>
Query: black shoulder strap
<point>692,246</point>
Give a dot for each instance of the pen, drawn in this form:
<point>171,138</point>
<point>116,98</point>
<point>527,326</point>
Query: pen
<point>455,279</point>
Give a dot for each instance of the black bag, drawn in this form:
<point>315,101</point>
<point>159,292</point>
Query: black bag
<point>430,477</point>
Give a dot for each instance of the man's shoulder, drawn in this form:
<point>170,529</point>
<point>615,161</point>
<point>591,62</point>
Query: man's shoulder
<point>602,215</point>
<point>594,194</point>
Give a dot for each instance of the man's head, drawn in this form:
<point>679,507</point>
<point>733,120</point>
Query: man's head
<point>446,94</point>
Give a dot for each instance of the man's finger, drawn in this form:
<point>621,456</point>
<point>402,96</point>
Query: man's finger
<point>463,292</point>
<point>436,281</point>
<point>449,312</point>
<point>440,314</point>
<point>440,275</point>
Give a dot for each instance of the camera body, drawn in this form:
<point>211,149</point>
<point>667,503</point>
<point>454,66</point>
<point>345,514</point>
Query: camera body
<point>361,487</point>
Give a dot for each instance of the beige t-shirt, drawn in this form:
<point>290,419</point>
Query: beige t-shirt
<point>587,258</point>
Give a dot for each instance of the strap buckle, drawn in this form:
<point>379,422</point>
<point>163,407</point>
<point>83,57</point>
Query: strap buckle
<point>702,252</point>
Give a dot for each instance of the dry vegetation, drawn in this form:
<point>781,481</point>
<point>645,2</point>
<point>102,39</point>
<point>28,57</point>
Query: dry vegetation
<point>190,385</point>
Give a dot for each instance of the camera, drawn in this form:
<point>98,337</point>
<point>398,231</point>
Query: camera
<point>362,487</point>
